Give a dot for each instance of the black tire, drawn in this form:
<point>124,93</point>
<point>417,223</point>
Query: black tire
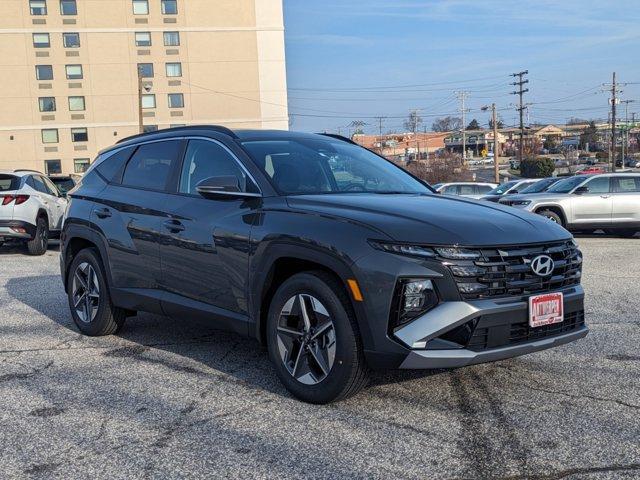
<point>40,242</point>
<point>105,318</point>
<point>349,372</point>
<point>553,216</point>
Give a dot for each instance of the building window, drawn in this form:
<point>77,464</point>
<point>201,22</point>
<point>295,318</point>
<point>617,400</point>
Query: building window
<point>169,7</point>
<point>68,7</point>
<point>140,7</point>
<point>76,104</point>
<point>150,128</point>
<point>149,101</point>
<point>176,100</point>
<point>79,135</point>
<point>52,167</point>
<point>44,72</point>
<point>172,39</point>
<point>143,39</point>
<point>47,104</point>
<point>38,7</point>
<point>50,135</point>
<point>80,165</point>
<point>174,69</point>
<point>41,40</point>
<point>145,70</point>
<point>74,72</point>
<point>71,40</point>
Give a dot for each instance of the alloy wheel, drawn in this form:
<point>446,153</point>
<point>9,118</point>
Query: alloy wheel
<point>306,339</point>
<point>86,292</point>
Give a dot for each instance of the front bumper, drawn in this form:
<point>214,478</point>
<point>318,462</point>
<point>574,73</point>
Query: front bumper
<point>7,229</point>
<point>497,329</point>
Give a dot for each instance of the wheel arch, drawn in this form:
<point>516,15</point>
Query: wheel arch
<point>77,238</point>
<point>284,261</point>
<point>553,208</point>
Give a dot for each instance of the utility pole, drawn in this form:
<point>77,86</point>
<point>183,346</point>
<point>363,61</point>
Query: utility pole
<point>625,135</point>
<point>520,92</point>
<point>415,119</point>
<point>614,102</point>
<point>496,143</point>
<point>140,89</point>
<point>462,96</point>
<point>380,123</point>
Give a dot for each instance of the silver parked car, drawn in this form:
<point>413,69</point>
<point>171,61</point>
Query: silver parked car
<point>589,202</point>
<point>465,189</point>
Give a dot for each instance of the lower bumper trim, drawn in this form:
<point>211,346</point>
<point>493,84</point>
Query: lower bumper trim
<point>7,226</point>
<point>428,359</point>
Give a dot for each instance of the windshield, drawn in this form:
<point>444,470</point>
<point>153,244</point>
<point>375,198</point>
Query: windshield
<point>565,186</point>
<point>63,184</point>
<point>503,188</point>
<point>540,186</point>
<point>317,166</point>
<point>8,182</point>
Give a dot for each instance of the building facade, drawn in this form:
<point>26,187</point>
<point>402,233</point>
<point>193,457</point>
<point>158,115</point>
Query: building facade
<point>71,72</point>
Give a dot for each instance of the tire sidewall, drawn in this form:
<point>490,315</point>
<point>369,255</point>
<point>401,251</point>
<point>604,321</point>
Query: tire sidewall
<point>101,319</point>
<point>333,385</point>
<point>554,217</point>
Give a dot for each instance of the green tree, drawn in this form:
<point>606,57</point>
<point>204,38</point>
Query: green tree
<point>473,125</point>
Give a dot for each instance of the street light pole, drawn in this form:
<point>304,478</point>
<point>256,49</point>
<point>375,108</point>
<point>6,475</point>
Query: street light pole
<point>140,89</point>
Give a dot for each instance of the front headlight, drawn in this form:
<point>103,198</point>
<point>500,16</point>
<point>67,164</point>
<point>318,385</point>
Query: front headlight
<point>404,249</point>
<point>520,203</point>
<point>415,296</point>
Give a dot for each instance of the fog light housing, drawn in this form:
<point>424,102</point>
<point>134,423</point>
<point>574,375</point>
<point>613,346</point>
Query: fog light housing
<point>415,297</point>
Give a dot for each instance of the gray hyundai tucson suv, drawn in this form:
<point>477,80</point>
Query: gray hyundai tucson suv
<point>333,257</point>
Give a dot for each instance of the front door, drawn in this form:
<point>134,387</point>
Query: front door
<point>593,207</point>
<point>205,246</point>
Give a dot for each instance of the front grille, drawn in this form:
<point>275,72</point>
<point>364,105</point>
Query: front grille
<point>506,271</point>
<point>486,335</point>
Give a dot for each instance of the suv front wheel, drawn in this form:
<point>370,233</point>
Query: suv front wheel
<point>89,299</point>
<point>313,339</point>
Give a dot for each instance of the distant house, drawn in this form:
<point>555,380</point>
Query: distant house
<point>403,145</point>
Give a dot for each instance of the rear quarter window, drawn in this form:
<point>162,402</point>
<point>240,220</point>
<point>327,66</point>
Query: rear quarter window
<point>9,182</point>
<point>111,167</point>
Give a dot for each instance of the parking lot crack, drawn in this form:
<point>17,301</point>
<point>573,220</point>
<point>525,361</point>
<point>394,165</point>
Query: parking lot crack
<point>583,396</point>
<point>570,472</point>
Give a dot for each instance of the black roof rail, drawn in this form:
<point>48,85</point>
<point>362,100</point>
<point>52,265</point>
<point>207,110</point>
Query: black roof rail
<point>214,128</point>
<point>338,137</point>
<point>21,170</point>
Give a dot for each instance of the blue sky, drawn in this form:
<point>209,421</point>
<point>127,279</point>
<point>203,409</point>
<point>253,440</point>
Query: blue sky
<point>350,60</point>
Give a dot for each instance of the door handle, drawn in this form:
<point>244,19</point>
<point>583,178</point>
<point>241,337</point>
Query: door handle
<point>104,213</point>
<point>174,226</point>
<point>605,196</point>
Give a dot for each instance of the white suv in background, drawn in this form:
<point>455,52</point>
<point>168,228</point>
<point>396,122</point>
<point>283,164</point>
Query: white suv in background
<point>31,209</point>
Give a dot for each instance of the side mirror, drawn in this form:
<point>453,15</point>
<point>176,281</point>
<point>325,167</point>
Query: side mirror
<point>222,186</point>
<point>581,190</point>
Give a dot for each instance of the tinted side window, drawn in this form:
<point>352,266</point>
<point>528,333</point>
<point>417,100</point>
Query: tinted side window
<point>206,159</point>
<point>150,166</point>
<point>598,185</point>
<point>39,185</point>
<point>467,190</point>
<point>626,184</point>
<point>110,168</point>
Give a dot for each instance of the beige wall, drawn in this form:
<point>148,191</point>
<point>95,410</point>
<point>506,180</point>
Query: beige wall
<point>233,73</point>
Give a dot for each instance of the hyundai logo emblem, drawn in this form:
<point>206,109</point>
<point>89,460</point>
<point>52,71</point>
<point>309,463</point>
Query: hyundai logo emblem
<point>542,265</point>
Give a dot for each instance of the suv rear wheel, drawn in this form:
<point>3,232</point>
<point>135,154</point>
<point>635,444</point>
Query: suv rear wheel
<point>313,339</point>
<point>89,299</point>
<point>40,242</point>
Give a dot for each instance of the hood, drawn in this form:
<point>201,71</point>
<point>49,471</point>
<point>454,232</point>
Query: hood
<point>435,219</point>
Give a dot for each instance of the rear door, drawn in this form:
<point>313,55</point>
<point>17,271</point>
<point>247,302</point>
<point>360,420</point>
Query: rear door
<point>205,247</point>
<point>57,204</point>
<point>626,200</point>
<point>593,208</point>
<point>130,213</point>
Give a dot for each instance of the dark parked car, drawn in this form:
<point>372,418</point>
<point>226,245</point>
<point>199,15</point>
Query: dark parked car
<point>336,259</point>
<point>64,182</point>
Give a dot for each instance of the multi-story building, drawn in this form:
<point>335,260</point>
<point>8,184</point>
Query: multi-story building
<point>70,73</point>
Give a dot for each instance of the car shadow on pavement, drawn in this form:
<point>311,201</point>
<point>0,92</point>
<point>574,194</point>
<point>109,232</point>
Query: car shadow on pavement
<point>225,356</point>
<point>21,248</point>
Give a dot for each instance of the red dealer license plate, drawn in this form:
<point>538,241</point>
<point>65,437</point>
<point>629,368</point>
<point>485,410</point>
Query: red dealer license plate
<point>546,309</point>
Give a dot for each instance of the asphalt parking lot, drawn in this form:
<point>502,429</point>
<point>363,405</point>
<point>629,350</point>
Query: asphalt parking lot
<point>167,399</point>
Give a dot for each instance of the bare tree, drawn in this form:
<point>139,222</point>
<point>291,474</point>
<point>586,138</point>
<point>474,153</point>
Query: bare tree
<point>447,124</point>
<point>412,124</point>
